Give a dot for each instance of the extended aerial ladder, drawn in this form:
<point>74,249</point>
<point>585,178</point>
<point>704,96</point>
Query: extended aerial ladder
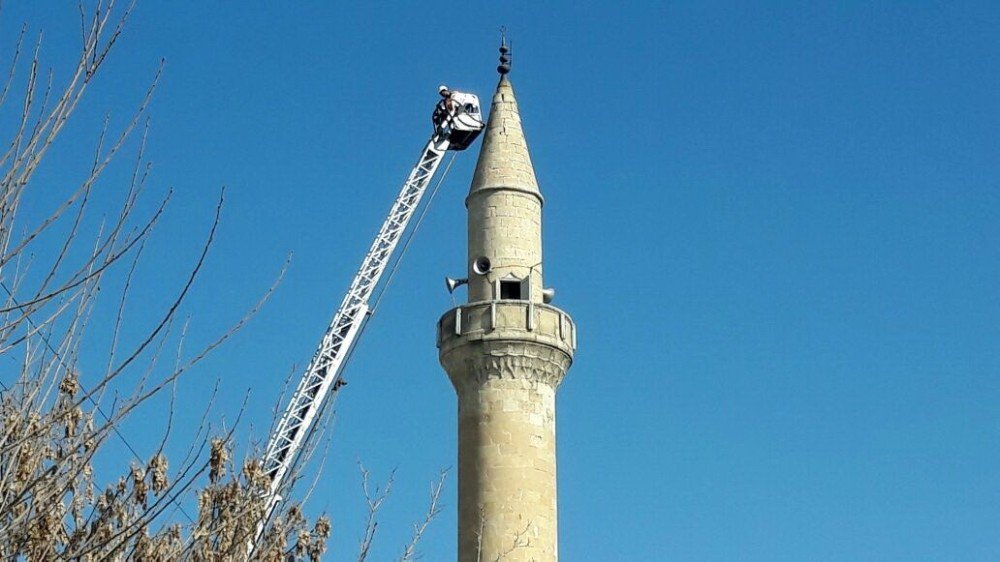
<point>457,123</point>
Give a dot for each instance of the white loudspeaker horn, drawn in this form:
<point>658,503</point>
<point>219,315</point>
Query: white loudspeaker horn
<point>548,295</point>
<point>452,283</point>
<point>481,265</point>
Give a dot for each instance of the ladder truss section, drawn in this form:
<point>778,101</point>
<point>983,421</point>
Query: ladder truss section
<point>324,370</point>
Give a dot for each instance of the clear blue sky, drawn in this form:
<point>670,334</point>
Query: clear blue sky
<point>777,227</point>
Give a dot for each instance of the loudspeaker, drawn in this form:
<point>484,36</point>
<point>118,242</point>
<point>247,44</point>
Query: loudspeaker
<point>452,283</point>
<point>548,295</point>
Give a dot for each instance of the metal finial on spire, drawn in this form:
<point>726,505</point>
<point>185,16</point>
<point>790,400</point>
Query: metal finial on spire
<point>504,67</point>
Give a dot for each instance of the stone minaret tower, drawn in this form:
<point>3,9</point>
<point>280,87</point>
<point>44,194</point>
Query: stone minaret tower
<point>506,351</point>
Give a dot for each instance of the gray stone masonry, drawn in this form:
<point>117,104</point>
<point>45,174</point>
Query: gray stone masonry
<point>506,357</point>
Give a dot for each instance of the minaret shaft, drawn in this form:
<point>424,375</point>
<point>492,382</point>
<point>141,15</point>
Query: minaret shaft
<point>507,453</point>
<point>501,228</point>
<point>505,206</point>
<point>506,352</point>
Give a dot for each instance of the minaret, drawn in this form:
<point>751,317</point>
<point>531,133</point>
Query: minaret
<point>506,351</point>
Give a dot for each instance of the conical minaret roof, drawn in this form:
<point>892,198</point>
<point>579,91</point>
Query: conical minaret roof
<point>504,161</point>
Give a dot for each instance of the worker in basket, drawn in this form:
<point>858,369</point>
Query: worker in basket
<point>446,108</point>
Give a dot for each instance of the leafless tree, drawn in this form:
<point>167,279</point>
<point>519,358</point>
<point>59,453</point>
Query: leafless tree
<point>54,419</point>
<point>521,540</point>
<point>433,509</point>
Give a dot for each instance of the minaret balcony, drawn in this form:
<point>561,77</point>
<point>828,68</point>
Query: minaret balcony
<point>517,320</point>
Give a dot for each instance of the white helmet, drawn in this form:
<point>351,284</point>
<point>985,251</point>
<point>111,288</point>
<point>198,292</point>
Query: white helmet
<point>442,89</point>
